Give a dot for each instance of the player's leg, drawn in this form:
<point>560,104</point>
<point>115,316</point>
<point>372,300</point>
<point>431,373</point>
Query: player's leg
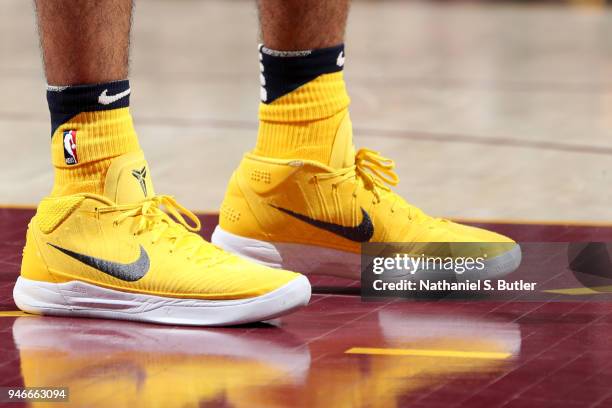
<point>85,47</point>
<point>303,199</point>
<point>302,25</point>
<point>304,100</point>
<point>101,245</point>
<point>85,42</point>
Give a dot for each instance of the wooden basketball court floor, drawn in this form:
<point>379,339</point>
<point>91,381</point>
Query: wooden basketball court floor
<point>496,114</point>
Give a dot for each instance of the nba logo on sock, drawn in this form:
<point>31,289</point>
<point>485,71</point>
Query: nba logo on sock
<point>70,149</point>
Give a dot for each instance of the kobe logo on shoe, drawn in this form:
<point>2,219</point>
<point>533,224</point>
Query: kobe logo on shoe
<point>360,233</point>
<point>140,176</point>
<point>130,272</point>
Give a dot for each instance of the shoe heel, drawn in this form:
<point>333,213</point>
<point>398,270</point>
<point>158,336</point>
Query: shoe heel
<point>33,265</point>
<point>305,259</point>
<point>255,250</point>
<point>37,297</point>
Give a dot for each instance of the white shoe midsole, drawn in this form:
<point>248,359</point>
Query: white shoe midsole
<point>77,298</point>
<point>310,259</point>
<point>306,259</point>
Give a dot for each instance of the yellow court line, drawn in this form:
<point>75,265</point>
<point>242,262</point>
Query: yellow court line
<point>571,223</point>
<point>18,206</point>
<point>581,291</point>
<point>489,355</point>
<point>14,313</point>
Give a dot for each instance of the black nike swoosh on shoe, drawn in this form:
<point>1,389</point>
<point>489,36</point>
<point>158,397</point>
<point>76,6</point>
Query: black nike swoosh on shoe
<point>130,272</point>
<point>360,233</point>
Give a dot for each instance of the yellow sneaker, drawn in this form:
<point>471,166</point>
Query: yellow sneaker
<point>311,217</point>
<point>120,256</point>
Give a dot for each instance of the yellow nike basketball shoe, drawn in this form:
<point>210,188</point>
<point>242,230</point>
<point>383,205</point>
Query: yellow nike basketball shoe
<point>305,201</point>
<point>312,217</point>
<point>121,256</point>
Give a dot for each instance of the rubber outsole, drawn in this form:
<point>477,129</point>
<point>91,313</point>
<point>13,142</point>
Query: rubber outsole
<point>82,299</point>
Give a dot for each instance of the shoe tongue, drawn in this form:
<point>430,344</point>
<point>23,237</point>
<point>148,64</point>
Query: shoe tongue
<point>343,150</point>
<point>128,179</point>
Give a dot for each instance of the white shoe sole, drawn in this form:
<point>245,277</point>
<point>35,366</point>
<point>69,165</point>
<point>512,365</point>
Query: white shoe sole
<point>82,299</point>
<point>310,259</point>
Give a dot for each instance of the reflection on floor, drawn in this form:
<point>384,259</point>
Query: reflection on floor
<point>125,364</point>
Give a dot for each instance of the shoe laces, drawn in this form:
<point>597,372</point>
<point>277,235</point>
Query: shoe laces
<point>375,170</point>
<point>176,224</point>
<point>376,173</point>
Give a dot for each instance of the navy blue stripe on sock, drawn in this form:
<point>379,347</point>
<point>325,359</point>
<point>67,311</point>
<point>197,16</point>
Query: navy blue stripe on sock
<point>67,102</point>
<point>285,71</point>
